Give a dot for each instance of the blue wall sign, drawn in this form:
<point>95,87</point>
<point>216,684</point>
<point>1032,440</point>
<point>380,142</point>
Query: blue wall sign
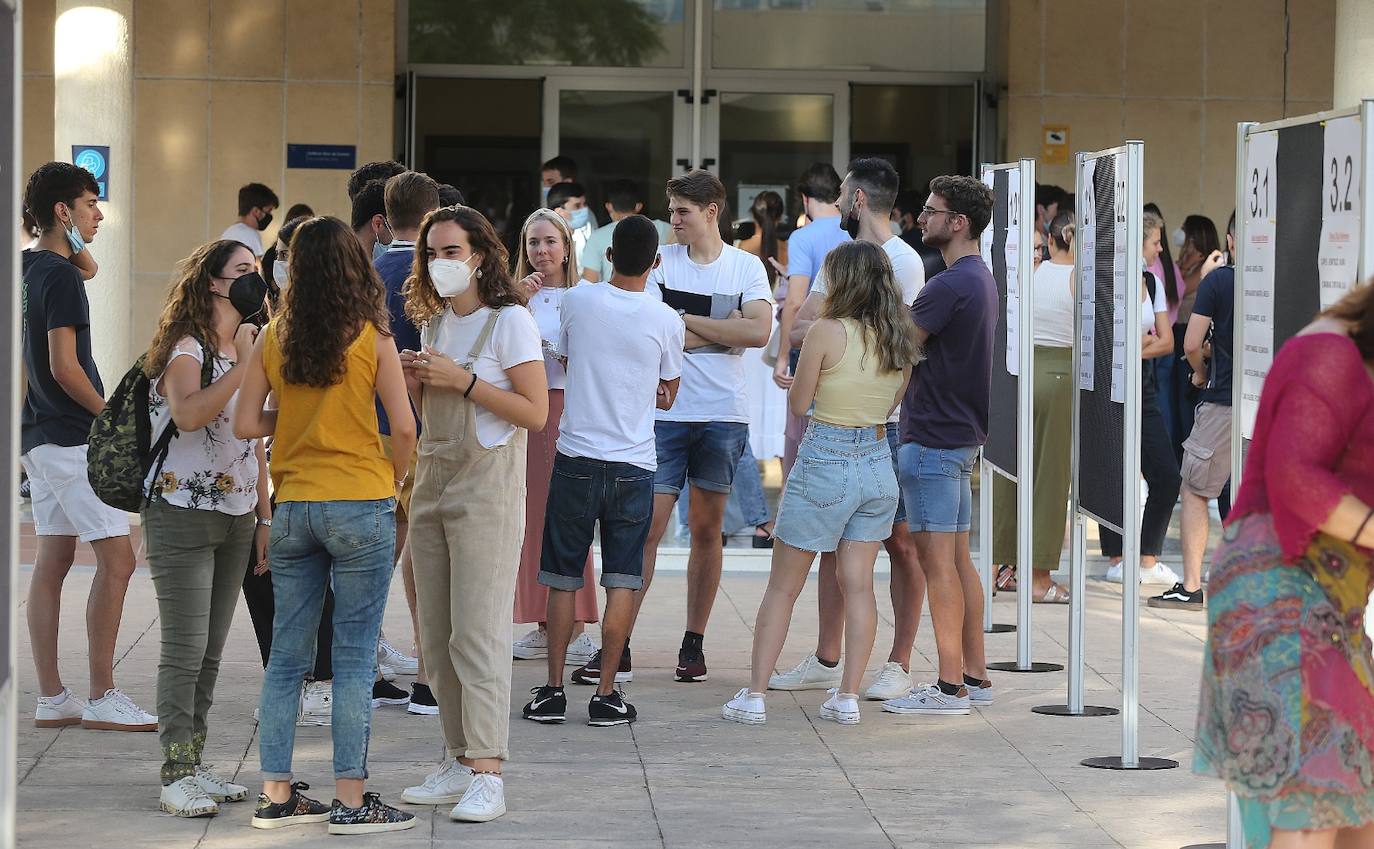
<point>96,159</point>
<point>339,156</point>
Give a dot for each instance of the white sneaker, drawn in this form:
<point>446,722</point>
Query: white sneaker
<point>979,696</point>
<point>395,660</point>
<point>929,700</point>
<point>810,674</point>
<point>218,788</point>
<point>484,801</point>
<point>892,682</point>
<point>186,798</point>
<point>444,786</point>
<point>1160,573</point>
<point>842,708</point>
<point>317,704</point>
<point>580,650</point>
<point>532,646</point>
<point>745,707</point>
<point>115,711</point>
<point>1113,574</point>
<point>57,714</point>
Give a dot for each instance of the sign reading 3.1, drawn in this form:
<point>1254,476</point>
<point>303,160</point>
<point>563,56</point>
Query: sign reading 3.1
<point>95,158</point>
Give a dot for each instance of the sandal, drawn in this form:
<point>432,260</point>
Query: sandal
<point>1006,578</point>
<point>1054,595</point>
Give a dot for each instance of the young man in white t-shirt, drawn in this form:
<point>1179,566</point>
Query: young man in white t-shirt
<point>867,196</point>
<point>723,297</point>
<point>624,358</point>
<point>256,203</point>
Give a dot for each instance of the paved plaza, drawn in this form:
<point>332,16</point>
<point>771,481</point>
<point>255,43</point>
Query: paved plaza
<point>681,777</point>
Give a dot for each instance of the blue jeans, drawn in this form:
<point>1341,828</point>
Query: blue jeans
<point>747,506</point>
<point>842,488</point>
<point>311,540</point>
<point>703,454</point>
<point>583,493</point>
<point>937,486</point>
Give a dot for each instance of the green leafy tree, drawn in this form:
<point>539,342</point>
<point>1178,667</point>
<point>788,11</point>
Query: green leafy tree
<point>611,33</point>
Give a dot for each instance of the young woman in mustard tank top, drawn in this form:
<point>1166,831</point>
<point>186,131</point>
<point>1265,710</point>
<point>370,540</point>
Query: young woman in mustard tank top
<point>842,493</point>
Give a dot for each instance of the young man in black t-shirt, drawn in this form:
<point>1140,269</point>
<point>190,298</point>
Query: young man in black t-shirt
<point>63,396</point>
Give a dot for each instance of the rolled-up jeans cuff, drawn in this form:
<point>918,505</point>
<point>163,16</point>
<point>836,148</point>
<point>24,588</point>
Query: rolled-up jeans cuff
<point>614,580</point>
<point>352,774</point>
<point>277,776</point>
<point>565,583</point>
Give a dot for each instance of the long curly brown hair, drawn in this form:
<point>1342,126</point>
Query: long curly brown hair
<point>1357,309</point>
<point>495,287</point>
<point>334,292</point>
<point>190,307</point>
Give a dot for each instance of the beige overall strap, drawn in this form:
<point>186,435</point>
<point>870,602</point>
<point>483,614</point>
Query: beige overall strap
<point>483,336</point>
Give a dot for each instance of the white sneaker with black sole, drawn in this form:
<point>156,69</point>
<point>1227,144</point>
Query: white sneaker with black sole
<point>930,700</point>
<point>610,709</point>
<point>809,674</point>
<point>746,708</point>
<point>842,708</point>
<point>445,786</point>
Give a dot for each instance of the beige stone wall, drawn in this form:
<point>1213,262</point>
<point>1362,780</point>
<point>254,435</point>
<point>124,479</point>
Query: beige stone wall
<point>220,88</point>
<point>1178,74</point>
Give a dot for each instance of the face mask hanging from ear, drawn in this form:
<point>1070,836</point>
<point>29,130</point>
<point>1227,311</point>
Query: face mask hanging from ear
<point>74,237</point>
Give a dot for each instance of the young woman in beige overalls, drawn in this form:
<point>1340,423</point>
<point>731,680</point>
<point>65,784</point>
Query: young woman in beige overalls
<point>479,384</point>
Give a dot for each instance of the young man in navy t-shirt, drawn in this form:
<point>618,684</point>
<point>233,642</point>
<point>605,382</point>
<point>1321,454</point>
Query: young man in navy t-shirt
<point>944,423</point>
<point>64,394</point>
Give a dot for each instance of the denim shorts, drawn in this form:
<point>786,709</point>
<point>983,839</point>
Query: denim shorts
<point>842,487</point>
<point>704,454</point>
<point>937,484</point>
<point>894,446</point>
<point>583,492</point>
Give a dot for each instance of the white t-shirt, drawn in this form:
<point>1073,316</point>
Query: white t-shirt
<point>240,232</point>
<point>210,468</point>
<point>713,386</point>
<point>545,306</point>
<point>619,345</point>
<point>1054,305</point>
<point>1148,310</point>
<point>514,340</point>
<point>593,253</point>
<point>910,272</point>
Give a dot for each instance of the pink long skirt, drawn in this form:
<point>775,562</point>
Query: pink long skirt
<point>531,597</point>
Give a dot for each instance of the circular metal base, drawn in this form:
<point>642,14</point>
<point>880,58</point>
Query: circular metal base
<point>1063,710</point>
<point>1011,666</point>
<point>998,629</point>
<point>1115,762</point>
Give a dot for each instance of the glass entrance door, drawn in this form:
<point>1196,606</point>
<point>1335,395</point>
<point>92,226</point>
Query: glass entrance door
<point>618,129</point>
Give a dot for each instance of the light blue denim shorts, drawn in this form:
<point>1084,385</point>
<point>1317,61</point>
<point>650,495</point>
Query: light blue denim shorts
<point>842,487</point>
<point>937,486</point>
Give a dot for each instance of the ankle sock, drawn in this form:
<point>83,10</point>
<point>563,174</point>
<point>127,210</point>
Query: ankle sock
<point>692,640</point>
<point>970,681</point>
<point>59,699</point>
<point>828,664</point>
<point>947,689</point>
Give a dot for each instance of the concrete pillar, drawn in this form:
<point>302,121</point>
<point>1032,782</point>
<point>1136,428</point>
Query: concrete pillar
<point>93,64</point>
<point>1354,52</point>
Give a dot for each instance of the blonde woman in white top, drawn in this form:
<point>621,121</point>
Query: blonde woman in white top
<point>546,268</point>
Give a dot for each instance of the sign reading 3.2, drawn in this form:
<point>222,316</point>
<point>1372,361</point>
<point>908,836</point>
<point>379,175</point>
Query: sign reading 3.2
<point>1342,175</point>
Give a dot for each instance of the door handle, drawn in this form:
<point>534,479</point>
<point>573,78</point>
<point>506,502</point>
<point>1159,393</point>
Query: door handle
<point>707,163</point>
<point>685,164</point>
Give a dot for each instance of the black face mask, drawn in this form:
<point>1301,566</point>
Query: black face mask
<point>264,222</point>
<point>851,222</point>
<point>248,294</point>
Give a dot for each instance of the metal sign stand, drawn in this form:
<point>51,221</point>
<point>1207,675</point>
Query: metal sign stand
<point>1130,758</point>
<point>985,474</point>
<point>1025,426</point>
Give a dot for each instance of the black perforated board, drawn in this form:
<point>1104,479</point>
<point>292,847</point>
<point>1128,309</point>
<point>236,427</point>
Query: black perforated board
<point>1101,422</point>
<point>1000,449</point>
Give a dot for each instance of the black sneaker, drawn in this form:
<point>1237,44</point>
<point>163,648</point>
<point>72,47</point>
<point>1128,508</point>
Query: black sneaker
<point>610,709</point>
<point>1177,598</point>
<point>691,665</point>
<point>369,818</point>
<point>548,705</point>
<point>297,810</point>
<point>386,693</point>
<point>422,700</point>
<point>590,672</point>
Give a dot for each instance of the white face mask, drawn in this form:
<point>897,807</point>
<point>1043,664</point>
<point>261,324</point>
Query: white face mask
<point>279,273</point>
<point>451,277</point>
<point>1177,237</point>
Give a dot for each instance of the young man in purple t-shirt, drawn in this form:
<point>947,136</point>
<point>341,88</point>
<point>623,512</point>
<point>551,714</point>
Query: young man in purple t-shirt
<point>944,423</point>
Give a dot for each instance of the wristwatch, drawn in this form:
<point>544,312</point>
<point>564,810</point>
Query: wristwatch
<point>264,523</point>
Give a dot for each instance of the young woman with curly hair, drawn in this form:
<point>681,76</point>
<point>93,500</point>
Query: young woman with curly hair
<point>479,384</point>
<point>325,356</point>
<point>199,520</point>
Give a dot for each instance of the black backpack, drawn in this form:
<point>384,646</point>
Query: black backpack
<point>121,449</point>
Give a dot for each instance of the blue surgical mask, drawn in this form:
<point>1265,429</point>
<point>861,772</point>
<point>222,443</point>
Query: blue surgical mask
<point>580,217</point>
<point>74,239</point>
<point>379,250</point>
<point>544,196</point>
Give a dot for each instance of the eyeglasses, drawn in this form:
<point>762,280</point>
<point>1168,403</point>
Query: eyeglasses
<point>928,211</point>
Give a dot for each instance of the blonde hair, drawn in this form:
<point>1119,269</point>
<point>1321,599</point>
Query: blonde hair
<point>1149,221</point>
<point>861,286</point>
<point>523,266</point>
